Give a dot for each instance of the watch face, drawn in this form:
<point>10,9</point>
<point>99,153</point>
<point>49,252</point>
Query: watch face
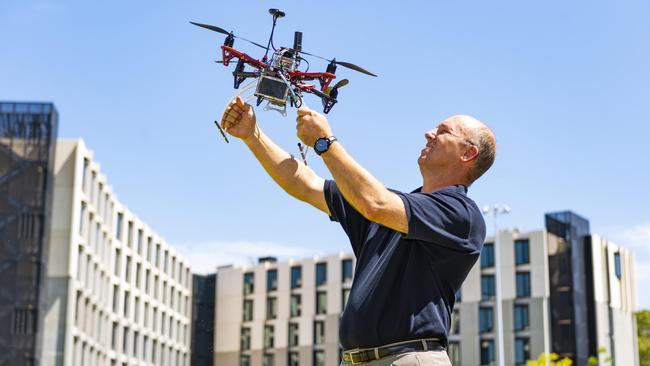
<point>321,145</point>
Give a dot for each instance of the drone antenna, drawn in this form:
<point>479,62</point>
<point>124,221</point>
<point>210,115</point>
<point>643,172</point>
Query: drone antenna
<point>277,13</point>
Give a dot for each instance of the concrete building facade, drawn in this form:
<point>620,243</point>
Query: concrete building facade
<point>564,290</point>
<point>277,314</point>
<point>118,294</point>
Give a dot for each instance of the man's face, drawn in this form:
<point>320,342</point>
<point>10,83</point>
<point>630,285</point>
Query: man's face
<point>445,145</point>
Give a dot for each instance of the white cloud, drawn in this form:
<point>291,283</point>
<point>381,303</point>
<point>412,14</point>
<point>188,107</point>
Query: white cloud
<point>206,257</point>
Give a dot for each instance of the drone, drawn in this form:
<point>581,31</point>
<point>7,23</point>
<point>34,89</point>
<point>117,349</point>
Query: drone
<point>278,78</point>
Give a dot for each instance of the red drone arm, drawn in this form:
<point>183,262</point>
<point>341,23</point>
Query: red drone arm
<point>228,53</point>
<point>325,78</point>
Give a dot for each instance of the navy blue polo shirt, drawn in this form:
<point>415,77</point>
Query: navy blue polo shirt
<point>404,284</point>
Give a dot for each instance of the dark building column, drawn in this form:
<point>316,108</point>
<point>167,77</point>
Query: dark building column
<point>571,286</point>
<point>203,297</point>
<point>27,143</point>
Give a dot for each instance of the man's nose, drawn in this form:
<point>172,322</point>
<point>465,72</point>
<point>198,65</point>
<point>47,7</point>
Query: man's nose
<point>430,135</point>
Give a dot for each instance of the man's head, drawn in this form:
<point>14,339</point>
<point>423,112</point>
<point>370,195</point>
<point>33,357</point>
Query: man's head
<point>461,148</point>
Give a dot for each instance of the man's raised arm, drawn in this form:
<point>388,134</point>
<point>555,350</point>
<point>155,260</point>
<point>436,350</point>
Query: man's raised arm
<point>294,177</point>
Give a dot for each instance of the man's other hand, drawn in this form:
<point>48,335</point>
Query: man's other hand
<point>311,125</point>
<point>239,119</point>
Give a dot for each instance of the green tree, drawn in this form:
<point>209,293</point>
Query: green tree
<point>643,334</point>
<point>594,360</point>
<point>553,360</point>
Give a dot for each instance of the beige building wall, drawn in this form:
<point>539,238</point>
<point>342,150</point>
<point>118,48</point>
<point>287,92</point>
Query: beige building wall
<point>230,314</point>
<point>118,294</point>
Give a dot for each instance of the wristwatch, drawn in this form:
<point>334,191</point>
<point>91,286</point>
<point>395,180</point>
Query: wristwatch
<point>323,144</point>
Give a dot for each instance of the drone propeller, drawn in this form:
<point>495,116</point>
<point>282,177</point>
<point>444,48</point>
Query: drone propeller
<point>338,85</point>
<point>221,30</point>
<point>344,64</point>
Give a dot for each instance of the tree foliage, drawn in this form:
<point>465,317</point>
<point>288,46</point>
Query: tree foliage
<point>553,360</point>
<point>643,334</point>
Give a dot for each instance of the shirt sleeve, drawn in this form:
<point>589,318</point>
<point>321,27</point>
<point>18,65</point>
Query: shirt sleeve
<point>353,223</point>
<point>440,218</point>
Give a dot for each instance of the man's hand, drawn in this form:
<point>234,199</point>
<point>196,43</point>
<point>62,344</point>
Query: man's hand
<point>239,119</point>
<point>311,125</point>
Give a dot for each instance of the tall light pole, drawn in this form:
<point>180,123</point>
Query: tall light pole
<point>495,211</point>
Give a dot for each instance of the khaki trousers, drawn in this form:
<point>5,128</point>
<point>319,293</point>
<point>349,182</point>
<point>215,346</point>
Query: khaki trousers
<point>421,358</point>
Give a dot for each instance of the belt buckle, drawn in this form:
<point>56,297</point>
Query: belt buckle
<point>351,354</point>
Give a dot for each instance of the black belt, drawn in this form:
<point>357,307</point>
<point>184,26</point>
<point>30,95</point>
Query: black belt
<point>358,356</point>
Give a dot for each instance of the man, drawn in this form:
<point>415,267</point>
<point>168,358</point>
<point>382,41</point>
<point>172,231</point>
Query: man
<point>413,250</point>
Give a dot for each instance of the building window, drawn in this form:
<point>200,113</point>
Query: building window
<point>617,264</point>
<point>346,270</point>
<point>245,342</point>
<point>522,351</point>
<point>267,359</point>
<point>269,333</point>
<point>487,287</point>
<point>296,277</point>
<point>82,216</point>
<point>272,280</point>
<point>128,269</point>
<point>485,319</point>
<point>293,334</point>
<point>271,308</point>
<point>487,351</point>
<point>321,302</point>
<point>319,358</point>
<point>248,310</point>
<point>118,226</point>
<point>455,322</point>
<point>249,283</point>
<point>294,359</point>
<point>487,255</point>
<point>244,360</point>
<point>319,332</point>
<point>453,350</point>
<point>295,305</point>
<point>522,251</point>
<point>321,273</point>
<point>521,317</point>
<point>345,294</point>
<point>523,284</point>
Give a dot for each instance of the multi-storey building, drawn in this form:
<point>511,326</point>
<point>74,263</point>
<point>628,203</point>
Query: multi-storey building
<point>563,290</point>
<point>27,135</point>
<point>118,294</point>
<point>277,314</point>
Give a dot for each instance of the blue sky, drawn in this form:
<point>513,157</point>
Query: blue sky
<point>564,85</point>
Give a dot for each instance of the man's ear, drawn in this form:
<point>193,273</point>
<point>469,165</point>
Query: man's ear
<point>470,154</point>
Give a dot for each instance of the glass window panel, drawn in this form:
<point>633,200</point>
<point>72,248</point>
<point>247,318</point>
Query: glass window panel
<point>249,282</point>
<point>487,351</point>
<point>523,284</point>
<point>346,270</point>
<point>321,273</point>
<point>488,290</point>
<point>321,302</point>
<point>319,332</point>
<point>486,319</point>
<point>487,255</point>
<point>522,251</point>
<point>296,277</point>
<point>295,305</point>
<point>522,351</point>
<point>271,308</point>
<point>272,280</point>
